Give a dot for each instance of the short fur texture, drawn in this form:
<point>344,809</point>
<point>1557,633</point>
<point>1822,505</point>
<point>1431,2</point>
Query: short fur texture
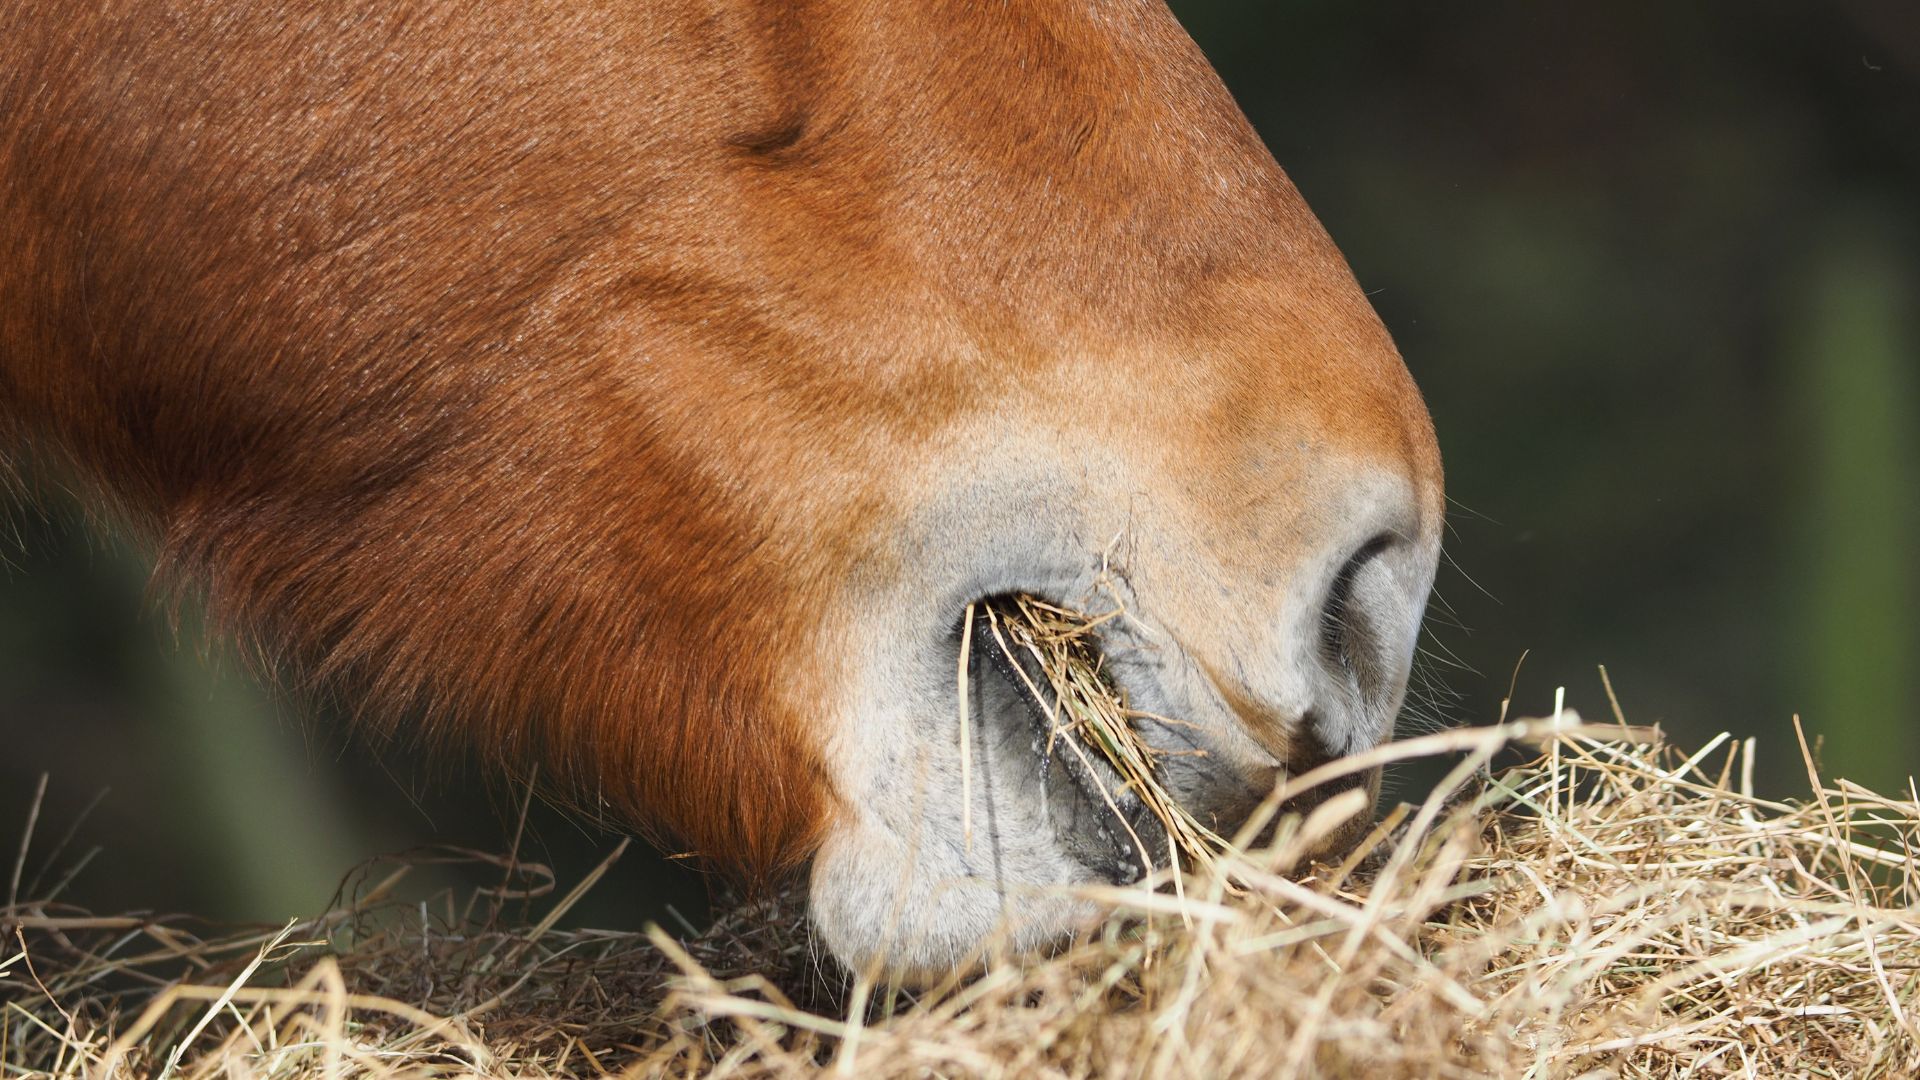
<point>554,375</point>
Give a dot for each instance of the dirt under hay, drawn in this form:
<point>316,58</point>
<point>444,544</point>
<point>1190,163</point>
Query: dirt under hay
<point>1614,907</point>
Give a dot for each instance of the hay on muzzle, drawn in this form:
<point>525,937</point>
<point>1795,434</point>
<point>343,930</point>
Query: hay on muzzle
<point>1054,655</point>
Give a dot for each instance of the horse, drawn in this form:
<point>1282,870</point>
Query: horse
<point>645,392</point>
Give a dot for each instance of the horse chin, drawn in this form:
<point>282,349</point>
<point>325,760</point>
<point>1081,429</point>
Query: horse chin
<point>884,909</point>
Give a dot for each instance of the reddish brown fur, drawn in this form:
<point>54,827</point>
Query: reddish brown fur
<point>527,367</point>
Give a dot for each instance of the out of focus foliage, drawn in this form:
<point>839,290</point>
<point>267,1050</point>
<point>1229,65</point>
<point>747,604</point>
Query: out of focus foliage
<point>1657,267</point>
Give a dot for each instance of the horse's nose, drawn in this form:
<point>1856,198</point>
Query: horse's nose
<point>1360,648</point>
<point>1350,621</point>
<point>1317,669</point>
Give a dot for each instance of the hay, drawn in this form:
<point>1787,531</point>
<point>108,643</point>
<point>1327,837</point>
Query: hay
<point>1086,714</point>
<point>1611,908</point>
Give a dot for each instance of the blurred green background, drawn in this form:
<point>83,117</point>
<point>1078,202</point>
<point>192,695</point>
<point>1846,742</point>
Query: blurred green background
<point>1656,266</point>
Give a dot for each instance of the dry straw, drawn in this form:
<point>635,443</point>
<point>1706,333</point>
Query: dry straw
<point>1612,907</point>
<point>1086,715</point>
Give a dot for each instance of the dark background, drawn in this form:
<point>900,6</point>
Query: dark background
<point>1656,266</point>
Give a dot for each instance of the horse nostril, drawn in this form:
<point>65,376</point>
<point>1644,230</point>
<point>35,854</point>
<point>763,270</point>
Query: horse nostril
<point>1343,631</point>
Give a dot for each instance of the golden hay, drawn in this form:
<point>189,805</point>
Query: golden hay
<point>1085,712</point>
<point>1611,908</point>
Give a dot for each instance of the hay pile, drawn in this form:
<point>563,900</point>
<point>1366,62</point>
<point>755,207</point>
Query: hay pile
<point>1611,908</point>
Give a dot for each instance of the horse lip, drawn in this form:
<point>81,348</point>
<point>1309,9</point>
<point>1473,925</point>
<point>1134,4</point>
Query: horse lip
<point>1126,844</point>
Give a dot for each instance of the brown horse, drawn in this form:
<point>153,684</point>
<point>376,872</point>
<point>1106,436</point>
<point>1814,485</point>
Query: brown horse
<point>645,389</point>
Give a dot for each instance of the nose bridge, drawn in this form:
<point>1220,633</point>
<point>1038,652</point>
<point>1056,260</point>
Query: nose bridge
<point>1343,382</point>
